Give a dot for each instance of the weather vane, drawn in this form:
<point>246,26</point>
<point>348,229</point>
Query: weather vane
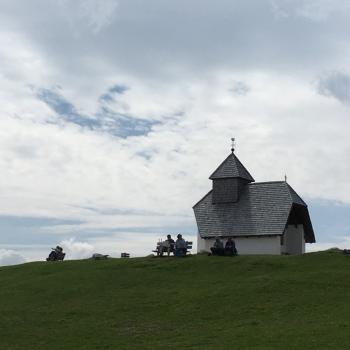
<point>233,144</point>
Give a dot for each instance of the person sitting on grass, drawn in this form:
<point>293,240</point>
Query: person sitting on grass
<point>218,247</point>
<point>230,247</point>
<point>56,254</point>
<point>180,246</point>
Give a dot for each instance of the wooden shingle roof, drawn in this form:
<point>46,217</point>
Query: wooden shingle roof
<point>263,209</point>
<point>231,167</point>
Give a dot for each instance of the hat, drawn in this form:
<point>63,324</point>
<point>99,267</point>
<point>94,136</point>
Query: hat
<point>179,235</point>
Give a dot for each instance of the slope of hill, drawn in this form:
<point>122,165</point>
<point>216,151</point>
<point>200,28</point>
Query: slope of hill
<point>198,302</point>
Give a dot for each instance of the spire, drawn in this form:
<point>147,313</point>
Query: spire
<point>231,167</point>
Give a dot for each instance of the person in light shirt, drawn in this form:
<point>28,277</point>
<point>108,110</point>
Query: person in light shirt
<point>180,246</point>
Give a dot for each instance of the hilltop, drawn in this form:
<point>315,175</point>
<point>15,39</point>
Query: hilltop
<point>197,302</point>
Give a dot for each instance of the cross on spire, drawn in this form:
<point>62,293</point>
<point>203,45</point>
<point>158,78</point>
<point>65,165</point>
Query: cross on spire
<point>233,144</point>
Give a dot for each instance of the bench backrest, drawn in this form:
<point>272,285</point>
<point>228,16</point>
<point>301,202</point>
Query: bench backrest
<point>189,244</point>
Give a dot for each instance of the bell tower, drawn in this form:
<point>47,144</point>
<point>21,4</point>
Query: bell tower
<point>229,179</point>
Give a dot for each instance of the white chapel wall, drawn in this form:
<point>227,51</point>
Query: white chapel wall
<point>259,245</point>
<point>246,245</point>
<point>294,241</point>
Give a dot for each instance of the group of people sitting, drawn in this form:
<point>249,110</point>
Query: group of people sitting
<point>56,254</point>
<point>178,248</point>
<point>228,250</point>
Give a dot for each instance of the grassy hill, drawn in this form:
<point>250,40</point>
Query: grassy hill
<point>198,302</point>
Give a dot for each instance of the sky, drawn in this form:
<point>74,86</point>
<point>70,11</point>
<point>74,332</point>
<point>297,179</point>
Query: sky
<point>113,114</point>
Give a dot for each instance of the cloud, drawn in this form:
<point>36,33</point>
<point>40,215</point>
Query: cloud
<point>112,92</point>
<point>10,257</point>
<point>123,125</point>
<point>65,109</point>
<point>315,10</point>
<point>97,14</point>
<point>335,84</point>
<point>114,116</point>
<point>239,88</point>
<point>70,168</point>
<point>76,250</point>
<point>106,119</point>
<point>102,41</point>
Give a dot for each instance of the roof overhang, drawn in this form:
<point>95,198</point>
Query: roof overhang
<point>299,214</point>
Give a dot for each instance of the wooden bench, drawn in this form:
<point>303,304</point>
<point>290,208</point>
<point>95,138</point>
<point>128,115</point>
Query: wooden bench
<point>125,255</point>
<point>161,248</point>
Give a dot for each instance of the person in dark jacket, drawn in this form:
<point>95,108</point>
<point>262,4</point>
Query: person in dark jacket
<point>218,247</point>
<point>230,247</point>
<point>56,254</point>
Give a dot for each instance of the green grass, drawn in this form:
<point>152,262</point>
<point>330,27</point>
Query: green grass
<point>198,302</point>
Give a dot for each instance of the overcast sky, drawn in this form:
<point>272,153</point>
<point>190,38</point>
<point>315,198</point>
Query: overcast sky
<point>114,113</point>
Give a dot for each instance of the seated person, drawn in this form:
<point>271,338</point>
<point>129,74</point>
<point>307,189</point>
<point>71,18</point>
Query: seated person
<point>171,244</point>
<point>230,247</point>
<point>56,254</point>
<point>218,248</point>
<point>167,246</point>
<point>180,246</point>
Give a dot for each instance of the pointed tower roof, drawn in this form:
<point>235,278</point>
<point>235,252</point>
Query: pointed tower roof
<point>231,167</point>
